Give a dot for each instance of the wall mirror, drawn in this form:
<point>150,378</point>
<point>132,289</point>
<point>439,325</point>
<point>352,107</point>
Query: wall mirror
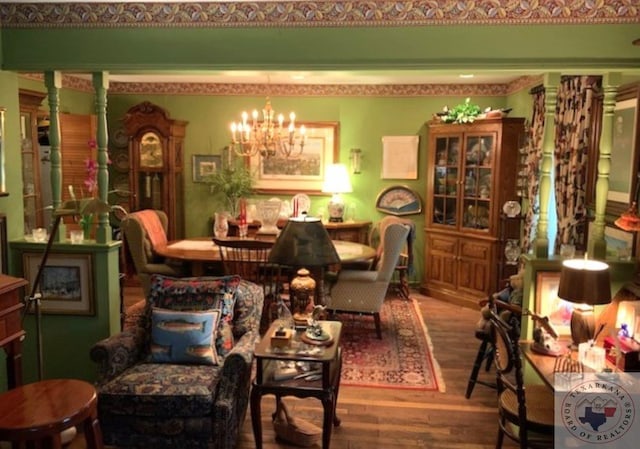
<point>625,151</point>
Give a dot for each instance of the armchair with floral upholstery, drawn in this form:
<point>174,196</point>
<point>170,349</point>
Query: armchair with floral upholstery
<point>147,403</point>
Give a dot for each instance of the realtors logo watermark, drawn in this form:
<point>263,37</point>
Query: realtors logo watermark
<point>597,411</point>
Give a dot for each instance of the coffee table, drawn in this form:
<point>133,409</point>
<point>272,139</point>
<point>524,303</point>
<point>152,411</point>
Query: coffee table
<point>327,358</point>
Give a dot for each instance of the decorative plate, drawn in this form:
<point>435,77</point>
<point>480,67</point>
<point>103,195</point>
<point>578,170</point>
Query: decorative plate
<point>511,208</point>
<point>120,138</point>
<point>304,203</point>
<point>399,200</point>
<point>121,162</point>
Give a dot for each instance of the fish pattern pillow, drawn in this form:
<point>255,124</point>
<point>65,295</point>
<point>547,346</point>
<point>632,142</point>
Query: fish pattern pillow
<point>184,337</point>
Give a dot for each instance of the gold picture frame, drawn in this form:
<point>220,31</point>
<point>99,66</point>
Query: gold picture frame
<point>303,174</point>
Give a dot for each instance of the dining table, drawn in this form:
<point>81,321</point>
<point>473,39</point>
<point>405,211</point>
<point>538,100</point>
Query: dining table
<point>201,252</point>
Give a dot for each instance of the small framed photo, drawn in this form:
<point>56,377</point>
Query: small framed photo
<point>548,304</point>
<point>205,165</point>
<point>66,282</point>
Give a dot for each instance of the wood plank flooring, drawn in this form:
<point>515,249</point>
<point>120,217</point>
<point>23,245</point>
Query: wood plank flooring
<point>398,419</point>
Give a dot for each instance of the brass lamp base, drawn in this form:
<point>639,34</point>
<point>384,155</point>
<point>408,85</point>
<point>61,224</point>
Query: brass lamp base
<point>583,325</point>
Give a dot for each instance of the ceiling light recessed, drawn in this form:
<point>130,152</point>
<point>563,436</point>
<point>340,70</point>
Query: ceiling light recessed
<point>466,75</point>
<point>297,77</point>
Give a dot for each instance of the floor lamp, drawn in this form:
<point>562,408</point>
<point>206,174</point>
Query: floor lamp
<point>67,209</point>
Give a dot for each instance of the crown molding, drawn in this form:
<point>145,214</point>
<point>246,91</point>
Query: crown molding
<point>315,13</point>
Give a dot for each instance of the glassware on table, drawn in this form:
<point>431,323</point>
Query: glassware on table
<point>221,225</point>
<point>76,237</point>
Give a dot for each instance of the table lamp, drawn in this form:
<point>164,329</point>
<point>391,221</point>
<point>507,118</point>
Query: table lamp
<point>586,283</point>
<point>304,243</point>
<point>336,181</point>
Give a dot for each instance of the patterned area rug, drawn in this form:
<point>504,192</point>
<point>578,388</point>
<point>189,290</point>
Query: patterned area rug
<point>402,359</point>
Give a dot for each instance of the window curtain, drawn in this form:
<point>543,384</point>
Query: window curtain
<point>534,156</point>
<point>572,138</point>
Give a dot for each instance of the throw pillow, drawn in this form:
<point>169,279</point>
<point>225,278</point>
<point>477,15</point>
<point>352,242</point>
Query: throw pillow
<point>184,337</point>
<point>200,293</point>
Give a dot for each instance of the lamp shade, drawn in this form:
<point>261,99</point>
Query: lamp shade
<point>304,242</point>
<point>336,179</point>
<point>585,281</point>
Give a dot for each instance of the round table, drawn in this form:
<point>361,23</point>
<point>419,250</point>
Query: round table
<point>202,251</point>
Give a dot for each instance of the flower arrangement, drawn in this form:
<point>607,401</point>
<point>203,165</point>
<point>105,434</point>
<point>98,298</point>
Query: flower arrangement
<point>463,113</point>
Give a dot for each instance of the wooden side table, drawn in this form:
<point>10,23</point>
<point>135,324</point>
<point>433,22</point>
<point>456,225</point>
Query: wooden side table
<point>11,332</point>
<point>351,231</point>
<point>325,389</point>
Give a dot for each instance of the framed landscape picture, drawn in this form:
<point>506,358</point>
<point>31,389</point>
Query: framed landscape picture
<point>66,283</point>
<point>303,173</point>
<point>205,165</point>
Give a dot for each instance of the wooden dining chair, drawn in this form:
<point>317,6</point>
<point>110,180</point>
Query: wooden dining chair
<point>525,415</point>
<point>249,258</point>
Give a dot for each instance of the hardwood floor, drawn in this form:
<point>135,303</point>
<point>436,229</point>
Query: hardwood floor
<point>396,419</point>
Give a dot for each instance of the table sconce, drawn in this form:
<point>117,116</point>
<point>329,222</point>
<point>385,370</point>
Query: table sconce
<point>336,181</point>
<point>586,283</point>
<point>304,243</point>
<point>356,160</point>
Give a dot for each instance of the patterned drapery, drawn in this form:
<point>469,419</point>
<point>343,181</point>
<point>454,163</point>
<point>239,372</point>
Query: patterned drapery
<point>572,136</point>
<point>534,155</point>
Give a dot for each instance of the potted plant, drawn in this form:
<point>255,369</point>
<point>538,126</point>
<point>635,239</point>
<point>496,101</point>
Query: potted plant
<point>232,183</point>
<point>463,113</point>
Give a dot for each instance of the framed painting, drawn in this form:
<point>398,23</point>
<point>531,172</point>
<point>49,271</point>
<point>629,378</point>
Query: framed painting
<point>205,165</point>
<point>550,305</point>
<point>304,173</point>
<point>400,157</point>
<point>4,250</point>
<point>66,283</point>
<point>623,182</point>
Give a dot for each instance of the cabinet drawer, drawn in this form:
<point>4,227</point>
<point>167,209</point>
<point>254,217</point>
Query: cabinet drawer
<point>475,250</point>
<point>10,322</point>
<point>441,244</point>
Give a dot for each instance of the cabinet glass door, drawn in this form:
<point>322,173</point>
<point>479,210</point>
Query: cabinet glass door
<point>446,181</point>
<point>478,173</point>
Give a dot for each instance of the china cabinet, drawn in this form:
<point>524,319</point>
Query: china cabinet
<point>471,174</point>
<point>156,147</point>
<point>30,102</point>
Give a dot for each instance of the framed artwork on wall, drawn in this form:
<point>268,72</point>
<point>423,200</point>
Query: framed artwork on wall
<point>66,283</point>
<point>205,165</point>
<point>304,173</point>
<point>400,157</point>
<point>548,304</point>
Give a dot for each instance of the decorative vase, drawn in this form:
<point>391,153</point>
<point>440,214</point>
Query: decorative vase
<point>221,225</point>
<point>268,213</point>
<point>303,288</point>
<point>85,224</point>
<point>512,251</point>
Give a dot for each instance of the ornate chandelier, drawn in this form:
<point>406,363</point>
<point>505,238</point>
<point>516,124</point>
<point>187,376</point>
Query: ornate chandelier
<point>267,138</point>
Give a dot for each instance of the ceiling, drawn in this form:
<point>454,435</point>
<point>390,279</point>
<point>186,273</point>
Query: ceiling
<point>369,77</point>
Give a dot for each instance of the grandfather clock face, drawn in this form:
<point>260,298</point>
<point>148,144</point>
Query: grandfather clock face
<point>151,151</point>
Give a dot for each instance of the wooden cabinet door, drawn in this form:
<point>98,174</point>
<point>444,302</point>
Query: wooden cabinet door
<point>441,260</point>
<point>474,266</point>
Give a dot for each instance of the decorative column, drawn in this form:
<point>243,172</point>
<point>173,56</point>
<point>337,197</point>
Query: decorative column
<point>541,244</point>
<point>100,85</point>
<point>53,82</point>
<point>597,245</point>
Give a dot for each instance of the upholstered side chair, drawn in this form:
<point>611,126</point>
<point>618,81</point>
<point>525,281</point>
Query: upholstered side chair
<point>140,246</point>
<point>363,292</point>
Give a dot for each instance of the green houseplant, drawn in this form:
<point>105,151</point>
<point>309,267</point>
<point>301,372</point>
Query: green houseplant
<point>232,183</point>
<point>463,113</point>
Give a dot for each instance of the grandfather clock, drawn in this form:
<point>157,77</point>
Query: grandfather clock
<point>156,150</point>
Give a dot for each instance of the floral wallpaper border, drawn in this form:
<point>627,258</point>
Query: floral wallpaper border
<point>302,90</point>
<point>316,13</point>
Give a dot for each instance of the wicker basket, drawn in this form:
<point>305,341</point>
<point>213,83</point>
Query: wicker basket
<point>295,431</point>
